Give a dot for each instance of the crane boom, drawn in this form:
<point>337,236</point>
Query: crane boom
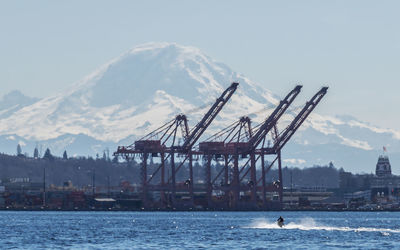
<point>209,117</point>
<point>299,119</point>
<point>273,118</point>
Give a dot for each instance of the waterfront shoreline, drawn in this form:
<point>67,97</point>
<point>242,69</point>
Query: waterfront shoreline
<point>197,210</point>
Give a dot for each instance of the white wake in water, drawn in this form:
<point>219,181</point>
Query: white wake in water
<point>310,224</point>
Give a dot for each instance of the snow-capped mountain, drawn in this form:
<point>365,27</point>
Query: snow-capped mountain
<point>149,84</point>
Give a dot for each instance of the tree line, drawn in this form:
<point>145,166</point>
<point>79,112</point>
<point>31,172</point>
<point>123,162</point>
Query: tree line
<point>81,170</point>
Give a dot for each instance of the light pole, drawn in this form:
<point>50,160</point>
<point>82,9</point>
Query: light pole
<point>291,187</point>
<point>93,182</point>
<point>44,186</point>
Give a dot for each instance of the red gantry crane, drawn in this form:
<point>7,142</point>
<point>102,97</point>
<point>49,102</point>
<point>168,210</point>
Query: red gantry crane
<point>163,141</point>
<point>281,139</point>
<point>237,146</point>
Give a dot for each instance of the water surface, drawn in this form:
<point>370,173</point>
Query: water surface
<point>196,230</point>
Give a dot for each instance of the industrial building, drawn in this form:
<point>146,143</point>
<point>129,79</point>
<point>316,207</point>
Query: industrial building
<point>385,186</point>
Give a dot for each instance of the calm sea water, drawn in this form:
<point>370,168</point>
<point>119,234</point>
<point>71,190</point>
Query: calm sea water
<point>193,230</point>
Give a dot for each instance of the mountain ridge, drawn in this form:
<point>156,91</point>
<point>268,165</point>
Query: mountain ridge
<point>148,85</point>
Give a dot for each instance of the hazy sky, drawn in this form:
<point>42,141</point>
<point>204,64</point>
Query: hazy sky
<point>351,46</point>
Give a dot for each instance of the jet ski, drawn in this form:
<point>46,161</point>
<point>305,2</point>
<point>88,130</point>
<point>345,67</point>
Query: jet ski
<point>280,221</point>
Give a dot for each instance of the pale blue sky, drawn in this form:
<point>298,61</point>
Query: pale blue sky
<point>352,46</point>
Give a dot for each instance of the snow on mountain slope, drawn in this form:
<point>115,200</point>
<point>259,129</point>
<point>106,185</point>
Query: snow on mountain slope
<point>135,93</point>
<point>151,83</point>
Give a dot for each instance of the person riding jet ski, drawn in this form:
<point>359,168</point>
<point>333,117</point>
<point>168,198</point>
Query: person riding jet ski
<point>280,221</point>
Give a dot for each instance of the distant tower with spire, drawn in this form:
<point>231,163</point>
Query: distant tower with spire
<point>383,168</point>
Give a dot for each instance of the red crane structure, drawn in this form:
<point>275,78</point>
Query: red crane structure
<point>163,142</point>
<point>241,140</point>
<point>234,183</point>
<point>281,139</point>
